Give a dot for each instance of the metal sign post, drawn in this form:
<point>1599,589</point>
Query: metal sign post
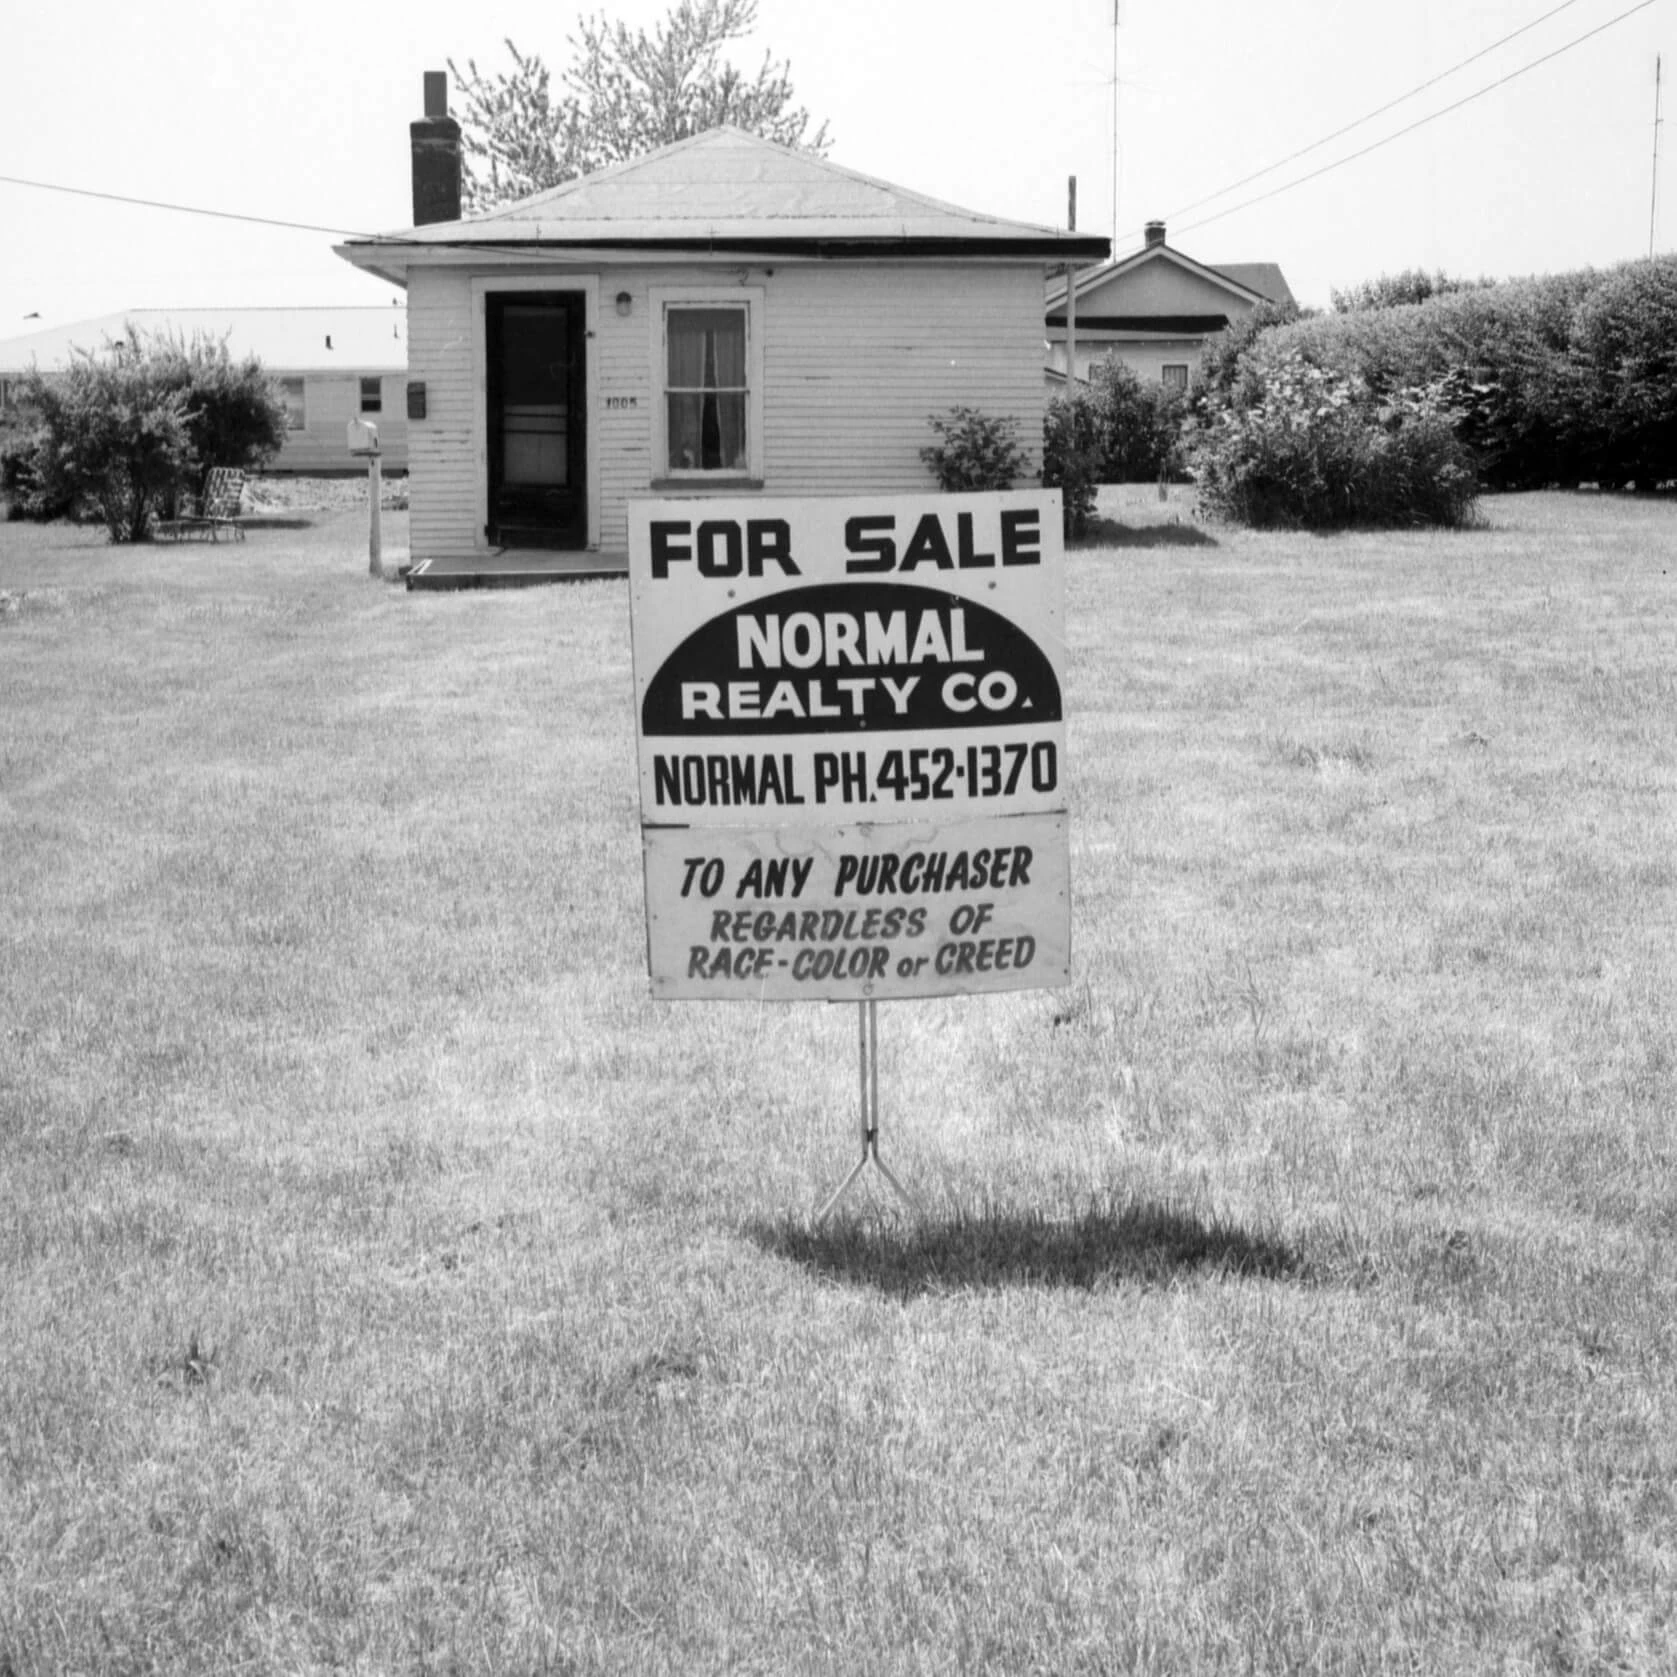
<point>867,1020</point>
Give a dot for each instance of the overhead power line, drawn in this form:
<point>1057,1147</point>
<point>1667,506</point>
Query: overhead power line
<point>1379,110</point>
<point>186,209</point>
<point>1420,122</point>
<point>1204,221</point>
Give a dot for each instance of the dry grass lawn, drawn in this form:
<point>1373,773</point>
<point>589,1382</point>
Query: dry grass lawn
<point>387,1284</point>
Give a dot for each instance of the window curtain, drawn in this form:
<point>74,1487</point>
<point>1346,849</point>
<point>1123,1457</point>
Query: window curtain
<point>707,389</point>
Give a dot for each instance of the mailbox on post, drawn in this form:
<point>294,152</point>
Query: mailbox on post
<point>363,441</point>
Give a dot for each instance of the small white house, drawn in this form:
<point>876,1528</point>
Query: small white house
<point>721,316</point>
<point>1156,309</point>
<point>332,365</point>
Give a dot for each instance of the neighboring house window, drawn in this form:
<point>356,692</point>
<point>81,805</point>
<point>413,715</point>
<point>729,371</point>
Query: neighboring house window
<point>5,395</point>
<point>710,370</point>
<point>296,415</point>
<point>372,395</point>
<point>1175,374</point>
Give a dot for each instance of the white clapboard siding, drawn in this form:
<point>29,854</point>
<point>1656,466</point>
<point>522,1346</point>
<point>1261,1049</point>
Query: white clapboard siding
<point>442,465</point>
<point>856,356</point>
<point>620,374</point>
<point>1160,287</point>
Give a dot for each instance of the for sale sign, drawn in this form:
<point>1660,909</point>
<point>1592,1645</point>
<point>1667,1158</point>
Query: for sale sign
<point>851,736</point>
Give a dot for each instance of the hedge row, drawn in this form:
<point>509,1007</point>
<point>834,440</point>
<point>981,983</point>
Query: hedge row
<point>1561,380</point>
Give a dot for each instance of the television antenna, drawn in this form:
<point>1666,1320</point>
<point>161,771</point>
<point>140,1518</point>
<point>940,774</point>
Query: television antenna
<point>1654,195</point>
<point>1115,8</point>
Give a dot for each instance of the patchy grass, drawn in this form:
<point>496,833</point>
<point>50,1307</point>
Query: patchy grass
<point>390,1285</point>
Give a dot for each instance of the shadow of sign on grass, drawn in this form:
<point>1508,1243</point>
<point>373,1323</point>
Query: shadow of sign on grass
<point>1138,1243</point>
<point>1108,532</point>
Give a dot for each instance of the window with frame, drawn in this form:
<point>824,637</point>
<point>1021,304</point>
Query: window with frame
<point>372,395</point>
<point>296,412</point>
<point>1175,375</point>
<point>707,388</point>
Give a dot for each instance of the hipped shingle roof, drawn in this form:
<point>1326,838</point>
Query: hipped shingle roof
<point>730,190</point>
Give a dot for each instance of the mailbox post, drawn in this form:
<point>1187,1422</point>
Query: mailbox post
<point>363,441</point>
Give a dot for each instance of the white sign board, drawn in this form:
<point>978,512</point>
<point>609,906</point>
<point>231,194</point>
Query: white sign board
<point>851,740</point>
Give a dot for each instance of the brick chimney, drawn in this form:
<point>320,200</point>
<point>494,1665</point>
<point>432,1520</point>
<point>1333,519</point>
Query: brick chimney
<point>436,156</point>
<point>1155,229</point>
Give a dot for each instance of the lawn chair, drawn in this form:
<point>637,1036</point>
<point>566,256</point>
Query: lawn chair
<point>223,490</point>
<point>217,509</point>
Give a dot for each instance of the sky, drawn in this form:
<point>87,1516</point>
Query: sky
<point>299,113</point>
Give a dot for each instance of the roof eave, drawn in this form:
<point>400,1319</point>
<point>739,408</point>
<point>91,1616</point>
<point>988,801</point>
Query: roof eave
<point>1109,271</point>
<point>367,258</point>
<point>391,259</point>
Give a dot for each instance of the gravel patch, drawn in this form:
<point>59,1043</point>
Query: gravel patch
<point>318,494</point>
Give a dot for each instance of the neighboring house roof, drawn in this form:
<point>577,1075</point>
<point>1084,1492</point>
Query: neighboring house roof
<point>1265,278</point>
<point>727,191</point>
<point>1244,283</point>
<point>1055,381</point>
<point>356,339</point>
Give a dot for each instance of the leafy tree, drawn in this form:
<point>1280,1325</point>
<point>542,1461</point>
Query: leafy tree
<point>624,93</point>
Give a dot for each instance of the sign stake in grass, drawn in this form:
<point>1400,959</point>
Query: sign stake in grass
<point>851,736</point>
<point>867,1019</point>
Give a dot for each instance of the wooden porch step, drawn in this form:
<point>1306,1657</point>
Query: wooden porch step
<point>515,568</point>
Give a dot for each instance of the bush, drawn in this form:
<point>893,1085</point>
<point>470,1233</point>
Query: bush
<point>976,452</point>
<point>114,430</point>
<point>236,417</point>
<point>1393,291</point>
<point>1141,424</point>
<point>1073,455</point>
<point>1220,358</point>
<point>21,486</point>
<point>1298,446</point>
<point>131,426</point>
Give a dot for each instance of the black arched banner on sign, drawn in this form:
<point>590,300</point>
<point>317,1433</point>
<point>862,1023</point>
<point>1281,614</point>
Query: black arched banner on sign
<point>851,657</point>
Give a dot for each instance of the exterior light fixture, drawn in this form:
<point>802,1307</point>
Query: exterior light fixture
<point>624,302</point>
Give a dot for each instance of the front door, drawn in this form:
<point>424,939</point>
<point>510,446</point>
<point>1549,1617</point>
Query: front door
<point>537,395</point>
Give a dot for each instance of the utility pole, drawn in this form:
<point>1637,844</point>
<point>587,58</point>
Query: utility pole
<point>1071,290</point>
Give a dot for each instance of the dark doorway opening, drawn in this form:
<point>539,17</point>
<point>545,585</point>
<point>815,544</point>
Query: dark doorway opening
<point>537,395</point>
